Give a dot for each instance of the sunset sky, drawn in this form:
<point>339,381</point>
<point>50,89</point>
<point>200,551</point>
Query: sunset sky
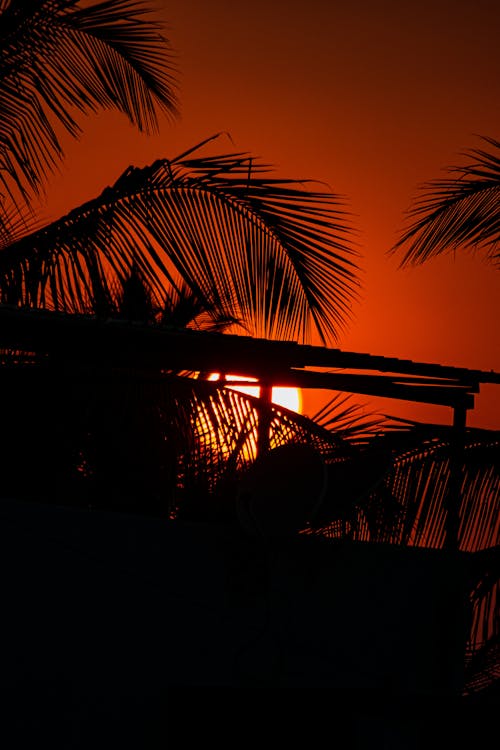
<point>373,98</point>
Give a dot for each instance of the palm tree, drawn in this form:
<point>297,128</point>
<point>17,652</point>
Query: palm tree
<point>212,242</point>
<point>59,60</point>
<point>461,212</point>
<point>147,249</point>
<point>264,251</point>
<point>458,212</point>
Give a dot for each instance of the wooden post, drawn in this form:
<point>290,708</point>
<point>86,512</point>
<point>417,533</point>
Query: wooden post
<point>264,424</point>
<point>453,499</point>
<point>454,651</point>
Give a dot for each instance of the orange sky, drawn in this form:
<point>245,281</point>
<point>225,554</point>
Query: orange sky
<point>373,98</point>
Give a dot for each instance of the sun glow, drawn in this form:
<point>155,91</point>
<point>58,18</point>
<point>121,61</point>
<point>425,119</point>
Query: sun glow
<point>289,398</point>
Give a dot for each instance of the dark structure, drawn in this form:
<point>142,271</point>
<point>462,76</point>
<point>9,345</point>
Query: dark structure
<point>109,611</point>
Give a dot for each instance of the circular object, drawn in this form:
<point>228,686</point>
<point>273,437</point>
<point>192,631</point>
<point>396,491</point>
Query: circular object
<point>281,490</point>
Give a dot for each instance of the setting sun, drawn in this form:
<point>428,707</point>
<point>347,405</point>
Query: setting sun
<point>289,398</point>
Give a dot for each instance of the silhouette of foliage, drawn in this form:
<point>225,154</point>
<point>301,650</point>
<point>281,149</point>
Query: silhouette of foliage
<point>406,474</point>
<point>348,419</point>
<point>460,212</point>
<point>261,250</point>
<point>60,58</point>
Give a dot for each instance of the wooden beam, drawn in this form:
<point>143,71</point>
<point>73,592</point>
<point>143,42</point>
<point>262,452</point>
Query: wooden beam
<point>119,343</point>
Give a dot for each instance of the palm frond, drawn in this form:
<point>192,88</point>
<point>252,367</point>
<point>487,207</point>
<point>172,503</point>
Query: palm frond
<point>421,478</point>
<point>59,58</point>
<point>183,308</point>
<point>348,419</point>
<point>15,222</point>
<point>459,212</point>
<point>267,252</point>
<point>417,463</point>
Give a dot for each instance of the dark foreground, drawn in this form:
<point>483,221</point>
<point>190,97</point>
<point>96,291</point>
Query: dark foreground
<point>111,624</point>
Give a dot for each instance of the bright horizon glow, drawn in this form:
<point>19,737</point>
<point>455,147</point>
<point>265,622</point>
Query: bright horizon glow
<point>289,398</point>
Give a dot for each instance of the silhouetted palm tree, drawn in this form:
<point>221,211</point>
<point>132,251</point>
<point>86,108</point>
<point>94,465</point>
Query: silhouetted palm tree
<point>265,251</point>
<point>461,212</point>
<point>458,212</point>
<point>211,242</point>
<point>59,59</point>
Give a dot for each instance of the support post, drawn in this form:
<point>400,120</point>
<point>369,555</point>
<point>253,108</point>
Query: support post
<point>455,628</point>
<point>264,425</point>
<point>453,500</point>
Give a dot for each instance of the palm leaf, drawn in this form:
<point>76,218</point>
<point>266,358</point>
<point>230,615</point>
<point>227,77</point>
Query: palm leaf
<point>182,308</point>
<point>58,59</point>
<point>264,251</point>
<point>461,212</point>
<point>420,481</point>
<point>349,420</point>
